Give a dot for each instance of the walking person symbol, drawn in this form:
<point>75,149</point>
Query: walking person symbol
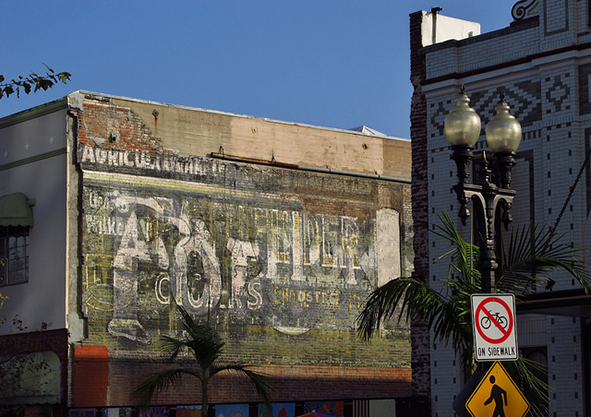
<point>499,396</point>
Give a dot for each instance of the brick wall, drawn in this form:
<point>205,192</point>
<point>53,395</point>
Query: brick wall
<point>420,203</point>
<point>288,384</point>
<point>279,260</point>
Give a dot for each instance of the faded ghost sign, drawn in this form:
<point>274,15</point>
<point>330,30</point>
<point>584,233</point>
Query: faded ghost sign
<point>252,257</point>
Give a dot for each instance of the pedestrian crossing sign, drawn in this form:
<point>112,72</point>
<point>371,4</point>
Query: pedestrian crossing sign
<point>497,395</point>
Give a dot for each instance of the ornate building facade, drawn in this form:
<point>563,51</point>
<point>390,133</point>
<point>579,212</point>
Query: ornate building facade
<point>541,63</point>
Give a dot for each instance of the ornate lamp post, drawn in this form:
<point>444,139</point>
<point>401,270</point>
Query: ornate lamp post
<point>491,193</point>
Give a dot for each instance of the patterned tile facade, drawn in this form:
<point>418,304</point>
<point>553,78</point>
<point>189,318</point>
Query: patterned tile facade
<point>542,65</point>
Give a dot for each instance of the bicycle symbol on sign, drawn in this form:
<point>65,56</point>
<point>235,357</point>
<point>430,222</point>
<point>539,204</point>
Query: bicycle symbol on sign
<point>486,321</point>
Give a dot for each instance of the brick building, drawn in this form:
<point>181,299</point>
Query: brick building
<point>274,232</point>
<point>542,64</point>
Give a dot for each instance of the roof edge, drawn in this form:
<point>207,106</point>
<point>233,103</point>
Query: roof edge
<point>75,101</point>
<point>34,112</point>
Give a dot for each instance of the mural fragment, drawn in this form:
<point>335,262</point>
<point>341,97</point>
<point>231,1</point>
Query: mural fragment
<point>248,249</point>
<point>287,268</point>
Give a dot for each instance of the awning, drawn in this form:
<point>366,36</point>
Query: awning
<point>15,210</point>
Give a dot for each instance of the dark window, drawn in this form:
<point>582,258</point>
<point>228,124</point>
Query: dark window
<point>14,255</point>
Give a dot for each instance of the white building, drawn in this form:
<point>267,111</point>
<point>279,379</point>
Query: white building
<point>542,64</point>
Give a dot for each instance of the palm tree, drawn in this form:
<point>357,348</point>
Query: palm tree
<point>531,254</point>
<point>205,345</point>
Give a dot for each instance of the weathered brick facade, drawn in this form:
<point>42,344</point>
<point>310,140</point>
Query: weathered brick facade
<point>273,233</point>
<point>278,259</point>
<point>421,364</point>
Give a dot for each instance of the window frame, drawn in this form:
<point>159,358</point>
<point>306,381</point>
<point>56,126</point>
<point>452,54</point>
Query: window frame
<point>14,255</point>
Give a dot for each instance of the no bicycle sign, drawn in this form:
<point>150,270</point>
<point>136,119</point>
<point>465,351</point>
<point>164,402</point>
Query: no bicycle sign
<point>493,325</point>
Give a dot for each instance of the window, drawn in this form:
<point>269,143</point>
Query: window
<point>14,254</point>
<point>16,217</point>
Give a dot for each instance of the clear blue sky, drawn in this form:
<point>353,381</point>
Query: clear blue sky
<point>334,63</point>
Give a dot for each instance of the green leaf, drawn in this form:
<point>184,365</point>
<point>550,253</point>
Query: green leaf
<point>532,254</point>
<point>32,82</point>
<point>64,77</point>
<point>206,347</point>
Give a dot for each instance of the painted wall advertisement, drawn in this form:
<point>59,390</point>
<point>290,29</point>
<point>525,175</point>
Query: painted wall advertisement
<point>234,256</point>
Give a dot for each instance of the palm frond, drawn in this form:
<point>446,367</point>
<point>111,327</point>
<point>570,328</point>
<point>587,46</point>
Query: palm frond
<point>261,382</point>
<point>534,252</point>
<point>171,347</point>
<point>411,297</point>
<point>408,298</point>
<point>206,346</point>
<point>155,383</point>
<point>204,342</point>
<point>526,374</point>
<point>464,257</point>
<point>454,324</point>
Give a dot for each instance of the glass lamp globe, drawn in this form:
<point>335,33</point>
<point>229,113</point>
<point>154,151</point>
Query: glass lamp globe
<point>462,124</point>
<point>503,132</point>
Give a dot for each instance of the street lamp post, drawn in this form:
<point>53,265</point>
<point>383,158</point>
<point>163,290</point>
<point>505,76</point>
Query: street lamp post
<point>491,193</point>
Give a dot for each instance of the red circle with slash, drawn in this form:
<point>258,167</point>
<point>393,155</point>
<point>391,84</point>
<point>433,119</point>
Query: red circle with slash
<point>505,333</point>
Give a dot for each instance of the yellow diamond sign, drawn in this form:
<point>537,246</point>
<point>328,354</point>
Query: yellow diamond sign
<point>497,396</point>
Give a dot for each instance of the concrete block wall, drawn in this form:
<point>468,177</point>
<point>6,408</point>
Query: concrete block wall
<point>166,127</point>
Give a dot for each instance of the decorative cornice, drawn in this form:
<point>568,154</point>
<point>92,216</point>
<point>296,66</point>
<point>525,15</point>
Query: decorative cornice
<point>523,9</point>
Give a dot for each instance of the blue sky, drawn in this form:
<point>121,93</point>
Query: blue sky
<point>334,63</point>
